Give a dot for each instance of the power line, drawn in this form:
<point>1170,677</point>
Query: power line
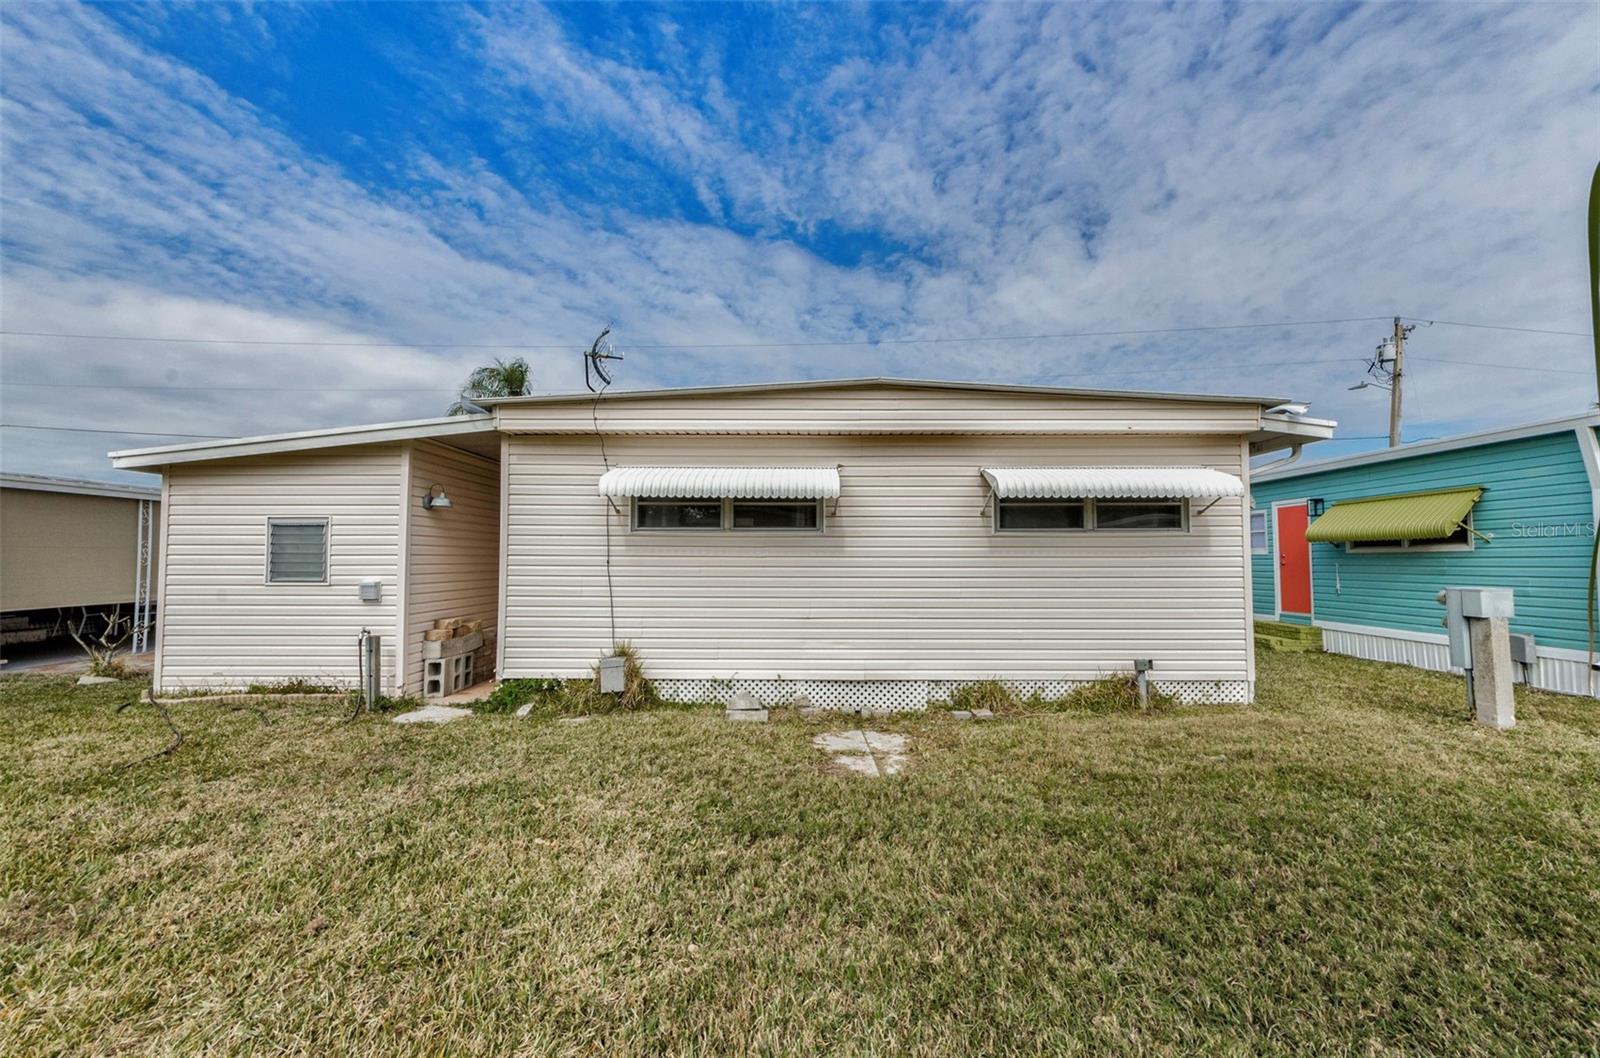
<point>130,433</point>
<point>1509,367</point>
<point>1498,327</point>
<point>702,345</point>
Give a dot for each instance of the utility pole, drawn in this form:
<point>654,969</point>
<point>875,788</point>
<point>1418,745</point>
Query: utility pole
<point>1400,332</point>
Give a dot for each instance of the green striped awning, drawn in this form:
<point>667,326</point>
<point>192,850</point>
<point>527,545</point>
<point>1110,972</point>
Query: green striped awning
<point>1414,516</point>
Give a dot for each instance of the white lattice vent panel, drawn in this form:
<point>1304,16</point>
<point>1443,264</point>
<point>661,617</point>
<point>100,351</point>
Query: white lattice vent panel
<point>907,696</point>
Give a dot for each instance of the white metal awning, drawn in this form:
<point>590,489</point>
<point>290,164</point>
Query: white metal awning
<point>744,483</point>
<point>1052,483</point>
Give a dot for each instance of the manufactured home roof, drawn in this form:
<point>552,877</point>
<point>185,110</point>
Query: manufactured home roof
<point>901,383</point>
<point>475,432</point>
<point>79,486</point>
<point>1422,448</point>
<point>460,430</point>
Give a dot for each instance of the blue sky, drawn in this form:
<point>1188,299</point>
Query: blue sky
<point>715,179</point>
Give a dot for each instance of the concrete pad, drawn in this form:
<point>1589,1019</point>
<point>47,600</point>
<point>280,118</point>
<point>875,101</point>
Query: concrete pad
<point>961,714</point>
<point>983,714</point>
<point>94,681</point>
<point>570,720</point>
<point>748,716</point>
<point>432,714</point>
<point>870,753</point>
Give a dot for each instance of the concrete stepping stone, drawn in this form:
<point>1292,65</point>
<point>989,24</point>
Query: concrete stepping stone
<point>95,681</point>
<point>432,714</point>
<point>870,753</point>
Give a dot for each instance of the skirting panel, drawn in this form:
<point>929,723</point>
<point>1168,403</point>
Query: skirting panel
<point>1563,675</point>
<point>908,696</point>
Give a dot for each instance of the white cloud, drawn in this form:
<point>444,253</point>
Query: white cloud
<point>1425,161</point>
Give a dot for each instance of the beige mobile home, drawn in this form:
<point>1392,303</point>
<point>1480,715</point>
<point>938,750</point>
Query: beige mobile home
<point>66,543</point>
<point>864,542</point>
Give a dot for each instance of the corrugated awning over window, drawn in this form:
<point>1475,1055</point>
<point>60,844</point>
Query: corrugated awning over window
<point>1430,515</point>
<point>740,483</point>
<point>1055,483</point>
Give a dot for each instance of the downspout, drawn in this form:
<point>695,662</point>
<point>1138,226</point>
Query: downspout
<point>1294,454</point>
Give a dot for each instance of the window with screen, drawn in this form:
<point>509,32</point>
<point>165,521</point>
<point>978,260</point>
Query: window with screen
<point>297,551</point>
<point>1138,514</point>
<point>1041,515</point>
<point>1067,515</point>
<point>677,514</point>
<point>773,514</point>
<point>727,514</point>
<point>1260,532</point>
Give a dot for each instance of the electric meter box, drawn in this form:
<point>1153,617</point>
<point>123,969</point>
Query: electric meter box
<point>1486,602</point>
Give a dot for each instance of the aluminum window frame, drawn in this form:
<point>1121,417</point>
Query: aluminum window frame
<point>725,523</point>
<point>1091,520</point>
<point>1265,531</point>
<point>327,549</point>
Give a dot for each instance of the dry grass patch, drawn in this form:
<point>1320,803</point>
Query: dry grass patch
<point>1348,868</point>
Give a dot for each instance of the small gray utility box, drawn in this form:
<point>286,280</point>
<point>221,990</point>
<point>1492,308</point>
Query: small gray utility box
<point>1478,621</point>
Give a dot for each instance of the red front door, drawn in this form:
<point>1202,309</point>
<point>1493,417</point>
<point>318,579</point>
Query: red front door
<point>1294,561</point>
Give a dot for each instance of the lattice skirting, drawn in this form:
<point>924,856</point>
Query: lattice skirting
<point>906,696</point>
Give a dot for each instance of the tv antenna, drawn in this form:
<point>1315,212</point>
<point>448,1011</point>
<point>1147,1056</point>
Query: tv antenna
<point>594,358</point>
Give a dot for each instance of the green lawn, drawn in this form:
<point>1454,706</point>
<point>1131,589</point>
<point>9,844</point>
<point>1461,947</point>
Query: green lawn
<point>1346,868</point>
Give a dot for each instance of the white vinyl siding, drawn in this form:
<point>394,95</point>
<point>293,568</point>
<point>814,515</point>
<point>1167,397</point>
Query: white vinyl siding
<point>908,581</point>
<point>223,624</point>
<point>454,567</point>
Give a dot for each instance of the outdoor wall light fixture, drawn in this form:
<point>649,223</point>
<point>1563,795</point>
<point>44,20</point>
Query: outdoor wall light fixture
<point>436,500</point>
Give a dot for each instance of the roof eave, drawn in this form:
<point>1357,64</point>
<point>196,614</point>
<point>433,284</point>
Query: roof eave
<point>1445,444</point>
<point>1278,432</point>
<point>903,383</point>
<point>268,444</point>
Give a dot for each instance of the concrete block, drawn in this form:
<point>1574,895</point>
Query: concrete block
<point>1493,703</point>
<point>983,714</point>
<point>91,681</point>
<point>743,700</point>
<point>447,624</point>
<point>751,716</point>
<point>961,714</point>
<point>438,635</point>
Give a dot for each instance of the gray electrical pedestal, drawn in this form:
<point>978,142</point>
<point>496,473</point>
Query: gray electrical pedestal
<point>1479,623</point>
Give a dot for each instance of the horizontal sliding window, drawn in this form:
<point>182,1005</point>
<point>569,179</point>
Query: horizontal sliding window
<point>1065,515</point>
<point>297,551</point>
<point>651,513</point>
<point>1138,514</point>
<point>1035,515</point>
<point>677,514</point>
<point>769,514</point>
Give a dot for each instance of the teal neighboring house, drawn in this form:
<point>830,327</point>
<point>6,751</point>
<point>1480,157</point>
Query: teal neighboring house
<point>1359,546</point>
